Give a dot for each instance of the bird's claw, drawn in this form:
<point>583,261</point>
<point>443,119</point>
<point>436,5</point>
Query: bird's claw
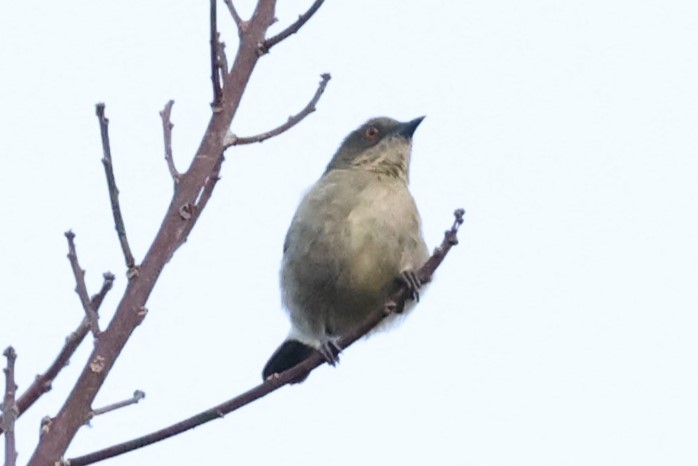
<point>330,351</point>
<point>412,283</point>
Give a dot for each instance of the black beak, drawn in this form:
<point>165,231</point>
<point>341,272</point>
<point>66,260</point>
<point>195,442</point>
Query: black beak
<point>407,129</point>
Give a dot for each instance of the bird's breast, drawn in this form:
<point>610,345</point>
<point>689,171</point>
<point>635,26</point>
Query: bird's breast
<point>348,242</point>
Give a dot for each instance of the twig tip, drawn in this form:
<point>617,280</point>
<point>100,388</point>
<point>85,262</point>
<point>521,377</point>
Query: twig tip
<point>10,353</point>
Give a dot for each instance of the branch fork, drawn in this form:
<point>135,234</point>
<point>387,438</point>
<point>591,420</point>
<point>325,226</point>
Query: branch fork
<point>234,140</point>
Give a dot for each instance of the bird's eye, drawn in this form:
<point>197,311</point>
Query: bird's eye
<point>371,132</point>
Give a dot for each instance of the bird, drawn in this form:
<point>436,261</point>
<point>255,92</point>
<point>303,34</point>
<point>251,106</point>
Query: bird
<point>356,237</point>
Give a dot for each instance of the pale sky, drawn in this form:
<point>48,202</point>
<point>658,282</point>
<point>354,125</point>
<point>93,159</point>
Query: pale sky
<point>561,331</point>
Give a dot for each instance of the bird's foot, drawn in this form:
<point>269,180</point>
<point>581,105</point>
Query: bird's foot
<point>330,351</point>
<point>413,284</point>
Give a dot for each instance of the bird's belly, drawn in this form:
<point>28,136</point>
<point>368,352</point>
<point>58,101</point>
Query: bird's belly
<point>343,277</point>
<point>349,258</point>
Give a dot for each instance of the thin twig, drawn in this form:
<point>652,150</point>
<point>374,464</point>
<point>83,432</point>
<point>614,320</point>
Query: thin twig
<point>215,62</point>
<point>277,381</point>
<point>42,383</point>
<point>108,282</point>
<point>293,28</point>
<point>232,140</point>
<point>80,287</point>
<point>137,396</point>
<point>167,126</point>
<point>9,408</point>
<point>114,192</point>
<point>450,240</point>
<point>236,17</point>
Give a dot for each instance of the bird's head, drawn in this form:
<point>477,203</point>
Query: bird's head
<point>382,145</point>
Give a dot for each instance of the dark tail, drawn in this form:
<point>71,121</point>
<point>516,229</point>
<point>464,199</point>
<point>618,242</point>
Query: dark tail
<point>286,356</point>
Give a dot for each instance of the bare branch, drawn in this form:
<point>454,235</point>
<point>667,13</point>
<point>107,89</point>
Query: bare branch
<point>80,287</point>
<point>232,140</point>
<point>236,17</point>
<point>114,192</point>
<point>42,383</point>
<point>137,396</point>
<point>9,408</point>
<point>215,62</point>
<point>278,380</point>
<point>188,199</point>
<point>293,28</point>
<point>167,137</point>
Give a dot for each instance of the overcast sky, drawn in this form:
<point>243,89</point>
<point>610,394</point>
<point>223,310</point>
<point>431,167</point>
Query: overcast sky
<point>561,331</point>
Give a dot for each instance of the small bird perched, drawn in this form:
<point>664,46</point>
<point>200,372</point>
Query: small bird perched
<point>355,237</point>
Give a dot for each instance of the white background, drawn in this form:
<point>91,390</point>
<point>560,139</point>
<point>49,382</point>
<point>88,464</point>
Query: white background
<point>562,331</point>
